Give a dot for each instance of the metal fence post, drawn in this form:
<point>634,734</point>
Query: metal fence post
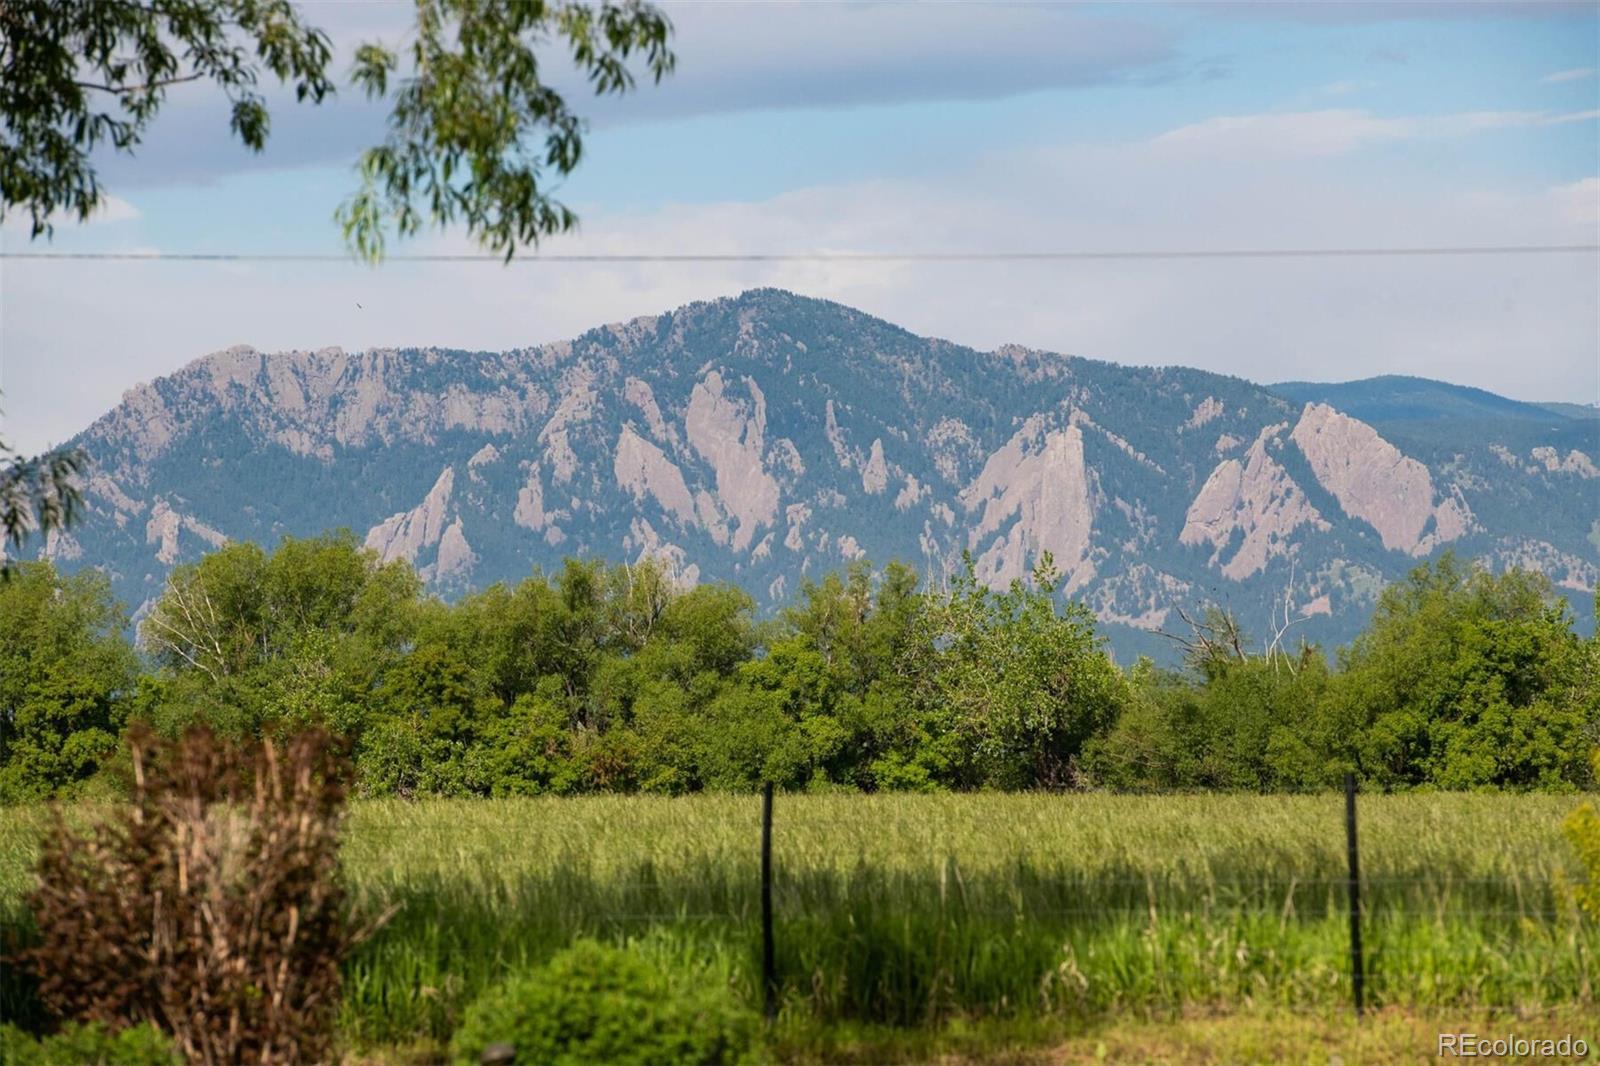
<point>1357,967</point>
<point>769,959</point>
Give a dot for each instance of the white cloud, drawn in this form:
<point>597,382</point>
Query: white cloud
<point>1478,121</point>
<point>1328,132</point>
<point>732,57</point>
<point>1359,11</point>
<point>1345,88</point>
<point>1338,131</point>
<point>1576,74</point>
<point>1524,325</point>
<point>1579,203</point>
<point>111,209</point>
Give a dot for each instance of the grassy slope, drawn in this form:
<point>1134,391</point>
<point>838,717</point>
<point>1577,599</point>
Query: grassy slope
<point>1003,910</point>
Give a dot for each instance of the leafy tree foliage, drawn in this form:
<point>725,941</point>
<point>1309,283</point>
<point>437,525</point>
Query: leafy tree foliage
<point>82,73</point>
<point>37,494</point>
<point>1245,724</point>
<point>1463,680</point>
<point>611,678</point>
<point>474,127</point>
<point>66,675</point>
<point>1467,679</point>
<point>603,677</point>
<point>1018,685</point>
<point>474,130</point>
<point>252,642</point>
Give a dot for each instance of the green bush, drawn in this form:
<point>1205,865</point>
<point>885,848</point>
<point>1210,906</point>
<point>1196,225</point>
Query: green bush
<point>592,1003</point>
<point>1582,828</point>
<point>87,1045</point>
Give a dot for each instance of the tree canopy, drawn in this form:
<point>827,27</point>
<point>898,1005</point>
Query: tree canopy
<point>611,678</point>
<point>475,135</point>
<point>1468,679</point>
<point>37,495</point>
<point>66,675</point>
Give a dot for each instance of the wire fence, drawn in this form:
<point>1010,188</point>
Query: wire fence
<point>1313,940</point>
<point>1361,935</point>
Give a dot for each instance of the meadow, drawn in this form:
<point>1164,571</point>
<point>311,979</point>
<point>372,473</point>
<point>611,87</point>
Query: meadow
<point>913,911</point>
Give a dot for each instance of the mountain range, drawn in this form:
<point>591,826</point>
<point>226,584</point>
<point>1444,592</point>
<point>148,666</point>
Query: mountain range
<point>769,438</point>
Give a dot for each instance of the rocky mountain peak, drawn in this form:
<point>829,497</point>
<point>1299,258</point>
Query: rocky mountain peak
<point>766,438</point>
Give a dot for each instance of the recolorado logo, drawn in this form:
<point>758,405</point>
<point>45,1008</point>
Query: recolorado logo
<point>1472,1046</point>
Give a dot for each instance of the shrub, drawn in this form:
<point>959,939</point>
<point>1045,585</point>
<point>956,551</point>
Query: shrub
<point>1582,828</point>
<point>209,906</point>
<point>592,1003</point>
<point>87,1045</point>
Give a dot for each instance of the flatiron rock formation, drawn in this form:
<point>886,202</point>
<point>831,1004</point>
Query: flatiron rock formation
<point>769,438</point>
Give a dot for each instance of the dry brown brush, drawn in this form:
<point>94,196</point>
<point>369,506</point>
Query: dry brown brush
<point>210,905</point>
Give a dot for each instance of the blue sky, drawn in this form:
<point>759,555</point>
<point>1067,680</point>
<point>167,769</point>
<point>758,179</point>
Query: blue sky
<point>928,127</point>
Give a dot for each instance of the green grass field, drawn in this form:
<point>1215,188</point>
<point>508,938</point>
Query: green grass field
<point>927,911</point>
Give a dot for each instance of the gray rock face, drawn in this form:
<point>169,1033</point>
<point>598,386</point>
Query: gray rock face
<point>769,438</point>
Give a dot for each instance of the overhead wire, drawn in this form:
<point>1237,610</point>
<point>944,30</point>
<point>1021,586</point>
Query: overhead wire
<point>1058,255</point>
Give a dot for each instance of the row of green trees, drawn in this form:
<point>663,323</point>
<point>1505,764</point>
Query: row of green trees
<point>609,678</point>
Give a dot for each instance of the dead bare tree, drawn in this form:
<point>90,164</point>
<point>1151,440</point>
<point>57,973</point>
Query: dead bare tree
<point>1215,638</point>
<point>185,624</point>
<point>649,587</point>
<point>1275,652</point>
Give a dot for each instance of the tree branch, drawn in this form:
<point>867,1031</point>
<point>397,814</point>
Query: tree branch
<point>125,90</point>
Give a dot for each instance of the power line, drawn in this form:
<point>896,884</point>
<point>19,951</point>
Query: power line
<point>826,257</point>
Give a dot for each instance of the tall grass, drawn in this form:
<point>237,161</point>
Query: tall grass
<point>909,909</point>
